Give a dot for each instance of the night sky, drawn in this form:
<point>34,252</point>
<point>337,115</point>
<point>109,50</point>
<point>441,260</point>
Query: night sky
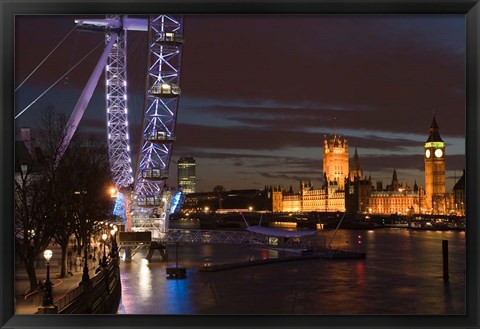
<point>260,92</point>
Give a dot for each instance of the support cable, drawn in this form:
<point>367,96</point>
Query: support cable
<point>59,79</point>
<point>38,66</point>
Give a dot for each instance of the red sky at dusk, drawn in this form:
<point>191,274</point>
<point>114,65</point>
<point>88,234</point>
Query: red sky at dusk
<point>260,92</point>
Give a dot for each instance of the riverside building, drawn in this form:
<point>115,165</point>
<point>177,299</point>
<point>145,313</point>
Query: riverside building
<point>331,196</point>
<point>345,187</point>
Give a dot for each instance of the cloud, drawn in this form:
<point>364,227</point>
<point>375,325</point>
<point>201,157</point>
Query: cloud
<point>372,163</point>
<point>330,117</point>
<point>260,92</point>
<point>294,178</point>
<point>271,138</point>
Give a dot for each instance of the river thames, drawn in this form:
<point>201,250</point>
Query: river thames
<point>402,274</point>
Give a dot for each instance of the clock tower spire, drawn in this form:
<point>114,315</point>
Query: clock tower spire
<point>434,158</point>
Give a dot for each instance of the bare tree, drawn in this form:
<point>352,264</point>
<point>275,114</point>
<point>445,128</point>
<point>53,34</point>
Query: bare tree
<point>64,197</point>
<point>60,187</point>
<point>33,223</point>
<point>92,178</point>
<point>219,190</point>
<point>80,179</point>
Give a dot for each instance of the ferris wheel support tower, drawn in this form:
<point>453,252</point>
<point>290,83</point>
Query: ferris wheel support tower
<point>115,29</point>
<point>117,111</point>
<point>153,197</point>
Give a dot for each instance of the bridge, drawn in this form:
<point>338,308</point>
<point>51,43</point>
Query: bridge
<point>143,240</point>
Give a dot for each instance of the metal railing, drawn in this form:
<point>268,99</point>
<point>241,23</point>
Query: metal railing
<point>70,297</point>
<point>96,296</point>
<point>182,236</point>
<point>204,237</point>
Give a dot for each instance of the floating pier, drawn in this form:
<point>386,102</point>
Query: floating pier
<point>330,254</point>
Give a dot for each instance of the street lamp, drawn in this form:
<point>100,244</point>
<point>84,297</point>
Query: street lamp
<point>114,243</point>
<point>113,192</point>
<point>104,259</point>
<point>47,298</point>
<point>85,276</point>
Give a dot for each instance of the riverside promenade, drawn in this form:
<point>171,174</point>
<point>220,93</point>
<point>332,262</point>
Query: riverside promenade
<point>29,303</point>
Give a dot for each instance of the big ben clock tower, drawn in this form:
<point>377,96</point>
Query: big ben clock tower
<point>434,157</point>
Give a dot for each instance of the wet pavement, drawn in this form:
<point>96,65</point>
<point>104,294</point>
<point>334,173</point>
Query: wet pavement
<point>28,303</point>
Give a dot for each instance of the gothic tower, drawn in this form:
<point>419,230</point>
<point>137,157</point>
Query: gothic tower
<point>434,157</point>
<point>335,161</point>
<point>355,170</point>
<point>395,184</point>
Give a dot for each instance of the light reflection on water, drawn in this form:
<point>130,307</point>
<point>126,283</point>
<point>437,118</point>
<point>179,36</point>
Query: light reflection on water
<point>402,274</point>
<point>144,277</point>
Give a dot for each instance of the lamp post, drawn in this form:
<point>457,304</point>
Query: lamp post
<point>85,276</point>
<point>113,192</point>
<point>114,243</point>
<point>104,259</point>
<point>47,298</point>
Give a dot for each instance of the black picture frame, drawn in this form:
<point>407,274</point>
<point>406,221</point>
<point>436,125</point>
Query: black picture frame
<point>10,8</point>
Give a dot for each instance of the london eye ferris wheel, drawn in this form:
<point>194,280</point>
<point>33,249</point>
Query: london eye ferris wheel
<point>142,191</point>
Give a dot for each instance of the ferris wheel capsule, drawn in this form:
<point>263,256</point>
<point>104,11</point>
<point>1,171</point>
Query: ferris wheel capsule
<point>159,137</point>
<point>166,90</point>
<point>149,201</point>
<point>169,39</point>
<point>154,174</point>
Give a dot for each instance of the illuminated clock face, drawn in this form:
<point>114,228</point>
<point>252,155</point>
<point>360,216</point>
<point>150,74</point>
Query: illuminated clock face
<point>427,153</point>
<point>438,153</point>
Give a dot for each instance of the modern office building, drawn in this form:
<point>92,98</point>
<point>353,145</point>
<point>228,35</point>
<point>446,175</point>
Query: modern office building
<point>186,174</point>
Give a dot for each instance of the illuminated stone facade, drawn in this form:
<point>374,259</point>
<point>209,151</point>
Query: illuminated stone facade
<point>459,196</point>
<point>335,160</point>
<point>277,200</point>
<point>346,189</point>
<point>434,158</point>
<point>394,202</point>
<point>396,198</point>
<point>292,203</point>
<point>311,199</point>
<point>356,171</point>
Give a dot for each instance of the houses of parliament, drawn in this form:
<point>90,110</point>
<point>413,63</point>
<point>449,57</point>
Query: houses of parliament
<point>346,188</point>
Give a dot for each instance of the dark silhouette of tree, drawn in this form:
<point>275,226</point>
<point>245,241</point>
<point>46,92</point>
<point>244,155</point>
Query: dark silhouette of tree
<point>33,223</point>
<point>79,187</point>
<point>219,190</point>
<point>59,200</point>
<point>92,179</point>
<point>51,136</point>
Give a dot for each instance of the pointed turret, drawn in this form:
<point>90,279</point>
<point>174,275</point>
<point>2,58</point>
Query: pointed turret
<point>434,134</point>
<point>355,170</point>
<point>395,185</point>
